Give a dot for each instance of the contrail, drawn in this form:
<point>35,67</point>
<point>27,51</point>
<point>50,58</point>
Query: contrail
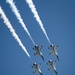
<point>8,24</point>
<point>34,11</point>
<point>17,14</point>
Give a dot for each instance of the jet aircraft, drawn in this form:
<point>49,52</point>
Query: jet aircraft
<point>37,68</point>
<point>38,51</point>
<point>54,50</point>
<point>52,66</point>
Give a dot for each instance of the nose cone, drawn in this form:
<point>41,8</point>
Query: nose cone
<point>50,61</point>
<point>36,45</point>
<point>51,45</point>
<point>34,63</point>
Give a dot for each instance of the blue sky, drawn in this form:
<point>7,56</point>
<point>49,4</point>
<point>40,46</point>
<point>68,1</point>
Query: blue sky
<point>58,18</point>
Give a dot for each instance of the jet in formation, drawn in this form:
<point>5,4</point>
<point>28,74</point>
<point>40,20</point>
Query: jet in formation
<point>53,50</point>
<point>52,66</point>
<point>37,68</point>
<point>38,51</point>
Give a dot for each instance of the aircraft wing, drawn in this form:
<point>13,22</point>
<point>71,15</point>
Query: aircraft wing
<point>41,47</point>
<point>56,47</point>
<point>39,65</point>
<point>54,63</point>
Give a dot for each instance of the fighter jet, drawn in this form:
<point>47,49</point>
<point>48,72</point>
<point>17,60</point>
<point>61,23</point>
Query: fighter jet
<point>38,51</point>
<point>37,68</point>
<point>54,50</point>
<point>52,66</point>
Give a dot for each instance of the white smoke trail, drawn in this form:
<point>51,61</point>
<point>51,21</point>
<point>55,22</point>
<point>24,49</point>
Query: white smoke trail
<point>34,11</point>
<point>7,23</point>
<point>16,12</point>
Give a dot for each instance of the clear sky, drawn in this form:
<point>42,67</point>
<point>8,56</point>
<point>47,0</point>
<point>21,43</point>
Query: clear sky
<point>58,18</point>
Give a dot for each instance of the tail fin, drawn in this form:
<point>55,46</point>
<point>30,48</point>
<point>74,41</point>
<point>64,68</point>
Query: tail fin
<point>42,57</point>
<point>57,57</point>
<point>56,72</point>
